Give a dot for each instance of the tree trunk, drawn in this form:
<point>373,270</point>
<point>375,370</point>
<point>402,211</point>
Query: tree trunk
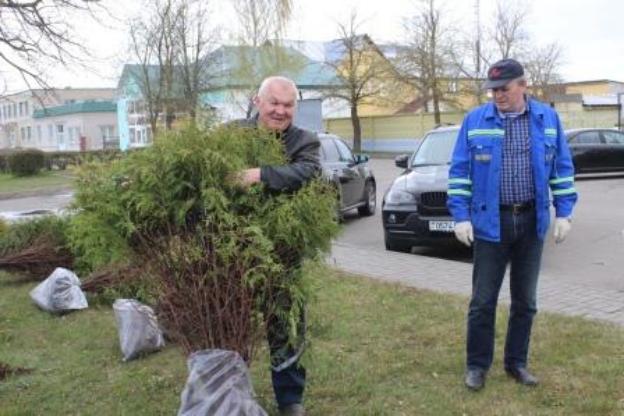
<point>436,108</point>
<point>357,129</point>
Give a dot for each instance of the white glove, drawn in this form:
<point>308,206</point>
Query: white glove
<point>562,228</point>
<point>463,232</point>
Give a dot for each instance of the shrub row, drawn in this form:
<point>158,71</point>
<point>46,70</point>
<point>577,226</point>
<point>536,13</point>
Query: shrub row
<point>58,160</point>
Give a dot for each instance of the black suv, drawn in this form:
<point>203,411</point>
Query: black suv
<point>350,173</point>
<point>414,207</point>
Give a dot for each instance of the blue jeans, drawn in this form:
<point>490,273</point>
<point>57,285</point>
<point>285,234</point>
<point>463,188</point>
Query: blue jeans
<point>520,247</point>
<point>287,374</point>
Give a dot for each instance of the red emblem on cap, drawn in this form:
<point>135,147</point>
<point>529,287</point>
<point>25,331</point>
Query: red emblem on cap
<point>495,72</point>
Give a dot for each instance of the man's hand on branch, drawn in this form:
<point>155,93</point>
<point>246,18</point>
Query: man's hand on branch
<point>246,178</point>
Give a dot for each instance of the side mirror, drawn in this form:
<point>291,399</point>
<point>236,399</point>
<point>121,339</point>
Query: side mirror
<point>361,159</point>
<point>401,161</point>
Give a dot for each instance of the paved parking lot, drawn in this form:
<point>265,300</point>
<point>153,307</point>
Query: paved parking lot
<point>583,276</point>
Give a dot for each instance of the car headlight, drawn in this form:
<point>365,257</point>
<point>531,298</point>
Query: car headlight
<point>397,196</point>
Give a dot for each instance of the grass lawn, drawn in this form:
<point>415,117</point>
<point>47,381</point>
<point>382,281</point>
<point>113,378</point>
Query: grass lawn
<point>45,179</point>
<point>376,349</point>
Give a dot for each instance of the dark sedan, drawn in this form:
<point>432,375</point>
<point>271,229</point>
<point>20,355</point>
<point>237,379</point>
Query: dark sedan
<point>596,150</point>
<point>350,173</point>
<point>414,207</point>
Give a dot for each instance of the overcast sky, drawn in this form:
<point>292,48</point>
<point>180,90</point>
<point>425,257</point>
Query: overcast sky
<point>590,32</point>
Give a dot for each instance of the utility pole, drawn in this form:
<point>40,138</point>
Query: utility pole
<point>478,51</point>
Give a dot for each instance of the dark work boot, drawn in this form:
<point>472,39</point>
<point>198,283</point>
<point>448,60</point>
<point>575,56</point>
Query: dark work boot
<point>475,379</point>
<point>522,376</point>
<point>295,409</point>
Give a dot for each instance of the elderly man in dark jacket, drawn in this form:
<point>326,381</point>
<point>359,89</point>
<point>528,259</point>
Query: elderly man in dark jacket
<point>276,103</point>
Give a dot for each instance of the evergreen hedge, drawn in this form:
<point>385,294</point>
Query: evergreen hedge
<point>215,257</point>
<point>26,162</point>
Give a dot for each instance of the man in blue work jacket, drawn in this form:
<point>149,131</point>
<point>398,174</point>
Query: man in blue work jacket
<point>510,160</point>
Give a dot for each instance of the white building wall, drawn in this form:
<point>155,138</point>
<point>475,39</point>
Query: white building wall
<point>16,112</point>
<point>62,133</point>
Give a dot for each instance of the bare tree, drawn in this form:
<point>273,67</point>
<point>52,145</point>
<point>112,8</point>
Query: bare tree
<point>170,43</point>
<point>472,56</point>
<point>261,20</point>
<point>260,52</point>
<point>196,40</point>
<point>541,66</point>
<point>508,33</point>
<point>507,37</point>
<point>361,70</point>
<point>152,45</point>
<point>427,58</point>
<point>37,34</point>
<point>512,40</point>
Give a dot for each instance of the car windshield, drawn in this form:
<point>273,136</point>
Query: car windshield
<point>436,149</point>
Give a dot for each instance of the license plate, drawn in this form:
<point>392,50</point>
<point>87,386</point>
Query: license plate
<point>445,226</point>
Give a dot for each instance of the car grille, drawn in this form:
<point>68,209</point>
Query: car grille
<point>433,203</point>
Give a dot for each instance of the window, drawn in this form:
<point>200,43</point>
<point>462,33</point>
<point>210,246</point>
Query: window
<point>26,113</point>
<point>29,133</point>
<point>613,137</point>
<point>345,152</point>
<point>436,149</point>
<point>23,133</point>
<point>50,134</point>
<point>107,132</point>
<point>588,137</point>
<point>39,136</point>
<point>21,109</point>
<point>73,134</point>
<point>60,137</point>
<point>329,150</point>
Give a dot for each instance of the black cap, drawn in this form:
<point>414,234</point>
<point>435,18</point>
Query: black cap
<point>502,72</point>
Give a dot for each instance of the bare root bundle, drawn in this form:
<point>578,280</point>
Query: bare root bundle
<point>112,277</point>
<point>207,298</point>
<point>38,260</point>
<point>6,370</point>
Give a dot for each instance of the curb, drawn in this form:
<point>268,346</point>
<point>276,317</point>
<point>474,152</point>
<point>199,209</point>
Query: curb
<point>454,277</point>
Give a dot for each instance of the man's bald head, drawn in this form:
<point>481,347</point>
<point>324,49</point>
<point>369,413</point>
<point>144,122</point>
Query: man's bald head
<point>276,103</point>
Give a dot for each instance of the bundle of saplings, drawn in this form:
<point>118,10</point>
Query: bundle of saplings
<point>212,254</point>
<point>6,370</point>
<point>35,248</point>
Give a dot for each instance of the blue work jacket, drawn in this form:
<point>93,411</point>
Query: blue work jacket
<point>475,172</point>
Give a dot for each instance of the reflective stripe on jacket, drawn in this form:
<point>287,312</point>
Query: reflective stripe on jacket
<point>474,176</point>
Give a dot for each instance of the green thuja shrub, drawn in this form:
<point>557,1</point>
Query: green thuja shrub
<point>219,256</point>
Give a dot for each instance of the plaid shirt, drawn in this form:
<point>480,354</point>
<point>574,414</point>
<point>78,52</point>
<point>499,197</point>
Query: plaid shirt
<point>516,176</point>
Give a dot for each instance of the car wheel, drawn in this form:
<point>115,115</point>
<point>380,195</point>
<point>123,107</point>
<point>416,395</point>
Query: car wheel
<point>371,200</point>
<point>396,245</point>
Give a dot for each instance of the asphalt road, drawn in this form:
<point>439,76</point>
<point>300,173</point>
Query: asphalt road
<point>592,255</point>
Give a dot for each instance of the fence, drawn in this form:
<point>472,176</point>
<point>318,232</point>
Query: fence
<point>401,133</point>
